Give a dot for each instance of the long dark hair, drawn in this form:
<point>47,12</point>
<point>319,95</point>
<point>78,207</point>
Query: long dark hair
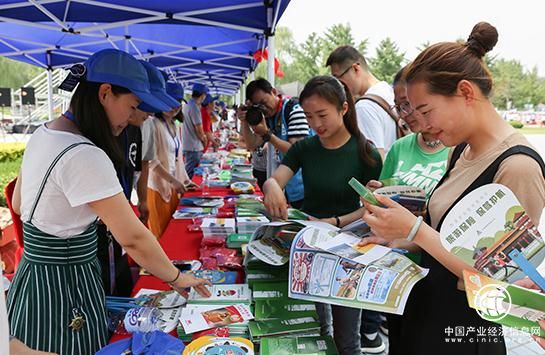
<point>337,93</point>
<point>92,120</point>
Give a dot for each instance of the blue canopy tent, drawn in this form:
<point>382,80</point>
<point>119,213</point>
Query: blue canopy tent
<point>211,42</point>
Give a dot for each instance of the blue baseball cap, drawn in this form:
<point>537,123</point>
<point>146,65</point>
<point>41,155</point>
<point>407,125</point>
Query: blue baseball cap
<point>122,69</point>
<point>158,89</point>
<point>176,90</point>
<point>208,99</point>
<point>200,88</point>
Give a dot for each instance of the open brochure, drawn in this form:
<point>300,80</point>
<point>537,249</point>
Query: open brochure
<point>486,227</point>
<point>329,267</point>
<point>219,316</point>
<point>505,304</point>
<point>412,198</point>
<point>271,242</point>
<point>168,303</point>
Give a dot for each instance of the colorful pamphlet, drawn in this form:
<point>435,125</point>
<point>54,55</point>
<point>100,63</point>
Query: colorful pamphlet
<point>214,345</point>
<point>218,317</point>
<point>382,284</point>
<point>194,212</point>
<point>298,345</point>
<point>505,304</point>
<point>271,242</point>
<point>216,276</point>
<point>412,198</point>
<point>486,227</point>
<point>223,294</point>
<point>168,303</point>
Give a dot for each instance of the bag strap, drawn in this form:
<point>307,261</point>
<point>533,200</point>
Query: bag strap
<point>48,172</point>
<point>386,107</point>
<point>487,176</point>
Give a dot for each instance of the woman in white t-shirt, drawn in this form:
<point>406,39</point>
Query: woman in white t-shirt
<point>56,302</point>
<point>167,175</point>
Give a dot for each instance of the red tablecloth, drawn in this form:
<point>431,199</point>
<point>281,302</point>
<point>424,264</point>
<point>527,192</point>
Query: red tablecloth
<point>179,244</point>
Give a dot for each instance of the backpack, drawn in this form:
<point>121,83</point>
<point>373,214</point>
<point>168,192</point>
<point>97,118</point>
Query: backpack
<point>401,128</point>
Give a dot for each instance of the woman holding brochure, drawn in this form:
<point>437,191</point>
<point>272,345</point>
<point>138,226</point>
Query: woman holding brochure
<point>328,161</point>
<point>450,85</point>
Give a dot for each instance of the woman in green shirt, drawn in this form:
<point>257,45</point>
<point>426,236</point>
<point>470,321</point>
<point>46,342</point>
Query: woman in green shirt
<point>418,159</point>
<point>328,160</point>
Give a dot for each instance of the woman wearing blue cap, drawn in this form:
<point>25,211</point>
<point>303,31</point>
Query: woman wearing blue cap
<point>67,180</point>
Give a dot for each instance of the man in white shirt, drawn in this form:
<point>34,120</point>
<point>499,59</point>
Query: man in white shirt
<point>349,66</point>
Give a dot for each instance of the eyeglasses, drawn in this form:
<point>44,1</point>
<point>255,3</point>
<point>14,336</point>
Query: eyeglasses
<point>404,109</point>
<point>345,71</point>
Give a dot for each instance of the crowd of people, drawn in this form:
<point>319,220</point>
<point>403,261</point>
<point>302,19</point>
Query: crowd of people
<point>434,128</point>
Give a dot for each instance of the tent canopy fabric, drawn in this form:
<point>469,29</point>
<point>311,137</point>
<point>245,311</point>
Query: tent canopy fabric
<point>211,42</point>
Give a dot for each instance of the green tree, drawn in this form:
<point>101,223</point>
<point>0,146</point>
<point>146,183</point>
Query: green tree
<point>388,60</point>
<point>341,35</point>
<point>308,58</point>
<point>509,84</point>
<point>16,74</point>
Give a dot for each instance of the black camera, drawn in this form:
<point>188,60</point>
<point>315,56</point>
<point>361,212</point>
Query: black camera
<point>255,114</point>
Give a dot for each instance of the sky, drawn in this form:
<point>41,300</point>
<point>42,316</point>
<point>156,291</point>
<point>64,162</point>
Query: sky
<point>520,23</point>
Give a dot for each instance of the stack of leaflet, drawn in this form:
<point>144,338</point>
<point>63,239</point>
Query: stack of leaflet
<point>218,227</point>
<point>222,296</point>
<point>194,212</point>
<point>249,207</point>
<point>242,173</point>
<point>278,315</point>
<point>250,224</point>
<point>298,345</point>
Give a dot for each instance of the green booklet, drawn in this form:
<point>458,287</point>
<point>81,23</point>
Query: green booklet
<point>259,329</point>
<point>364,192</point>
<point>237,240</point>
<point>271,275</point>
<point>505,304</point>
<point>298,345</point>
<point>283,309</point>
<point>269,290</point>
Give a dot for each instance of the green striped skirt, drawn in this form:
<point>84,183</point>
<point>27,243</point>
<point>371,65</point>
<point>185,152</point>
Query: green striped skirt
<point>56,280</point>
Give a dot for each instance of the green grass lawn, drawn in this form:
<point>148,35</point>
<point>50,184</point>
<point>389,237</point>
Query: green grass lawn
<point>8,171</point>
<point>532,130</point>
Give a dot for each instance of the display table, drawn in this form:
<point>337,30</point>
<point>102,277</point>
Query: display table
<point>179,244</point>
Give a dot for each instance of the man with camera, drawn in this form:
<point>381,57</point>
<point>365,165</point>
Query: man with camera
<point>276,121</point>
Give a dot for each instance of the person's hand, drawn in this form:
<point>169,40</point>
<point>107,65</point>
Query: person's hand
<point>179,186</point>
<point>373,185</point>
<point>330,220</point>
<point>185,281</point>
<point>143,210</point>
<point>204,140</point>
<point>190,185</point>
<point>241,113</point>
<point>527,283</point>
<point>275,201</point>
<point>260,129</point>
<point>391,222</point>
<point>215,143</point>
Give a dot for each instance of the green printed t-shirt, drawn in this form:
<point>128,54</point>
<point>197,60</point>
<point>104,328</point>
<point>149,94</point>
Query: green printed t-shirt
<point>414,167</point>
<point>326,173</point>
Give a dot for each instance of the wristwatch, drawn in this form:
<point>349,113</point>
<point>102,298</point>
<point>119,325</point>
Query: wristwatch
<point>267,136</point>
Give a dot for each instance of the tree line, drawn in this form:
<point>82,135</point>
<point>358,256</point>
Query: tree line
<point>514,85</point>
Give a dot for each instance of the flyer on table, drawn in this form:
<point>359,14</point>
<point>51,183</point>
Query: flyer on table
<point>218,317</point>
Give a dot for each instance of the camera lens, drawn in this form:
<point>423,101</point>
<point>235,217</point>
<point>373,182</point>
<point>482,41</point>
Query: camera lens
<point>254,115</point>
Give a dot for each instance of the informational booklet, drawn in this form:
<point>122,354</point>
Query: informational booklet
<point>223,294</point>
<point>216,276</point>
<point>412,198</point>
<point>505,304</point>
<point>292,326</point>
<point>271,242</point>
<point>269,290</point>
<point>382,283</point>
<point>194,212</point>
<point>298,345</point>
<point>486,227</point>
<point>214,345</point>
<point>218,317</point>
<point>283,309</point>
<point>168,303</point>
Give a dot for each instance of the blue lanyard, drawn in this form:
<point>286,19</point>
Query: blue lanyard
<point>70,116</point>
<point>174,138</point>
